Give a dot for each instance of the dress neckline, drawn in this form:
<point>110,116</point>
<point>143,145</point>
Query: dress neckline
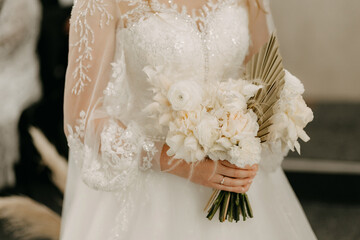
<point>199,17</point>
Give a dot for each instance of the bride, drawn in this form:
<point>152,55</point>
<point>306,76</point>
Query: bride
<point>121,183</point>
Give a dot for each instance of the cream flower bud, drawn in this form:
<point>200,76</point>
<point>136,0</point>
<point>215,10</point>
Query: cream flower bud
<point>185,95</point>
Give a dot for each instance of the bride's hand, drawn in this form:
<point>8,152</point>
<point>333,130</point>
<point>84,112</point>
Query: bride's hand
<point>210,174</point>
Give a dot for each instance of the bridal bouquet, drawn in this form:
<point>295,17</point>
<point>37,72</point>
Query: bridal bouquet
<point>228,120</point>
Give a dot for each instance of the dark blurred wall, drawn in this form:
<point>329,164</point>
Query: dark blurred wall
<point>47,114</point>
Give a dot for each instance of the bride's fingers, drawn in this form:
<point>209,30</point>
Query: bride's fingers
<point>235,173</point>
<point>227,164</point>
<point>238,189</point>
<point>232,182</point>
<point>247,187</point>
<point>230,165</point>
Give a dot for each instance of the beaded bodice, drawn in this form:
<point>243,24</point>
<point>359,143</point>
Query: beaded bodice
<point>209,43</point>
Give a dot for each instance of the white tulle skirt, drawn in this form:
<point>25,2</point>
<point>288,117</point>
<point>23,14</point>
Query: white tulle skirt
<point>166,207</point>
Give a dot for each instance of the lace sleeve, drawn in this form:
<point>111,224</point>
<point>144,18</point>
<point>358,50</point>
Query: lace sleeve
<point>109,154</point>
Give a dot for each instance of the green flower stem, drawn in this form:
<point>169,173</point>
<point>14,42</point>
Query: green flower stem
<point>221,210</point>
<point>215,206</point>
<point>231,206</point>
<point>237,209</point>
<point>242,206</point>
<point>224,206</point>
<point>248,206</point>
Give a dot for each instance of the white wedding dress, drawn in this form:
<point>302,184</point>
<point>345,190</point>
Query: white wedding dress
<point>114,188</point>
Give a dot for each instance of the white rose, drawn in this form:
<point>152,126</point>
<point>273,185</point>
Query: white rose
<point>185,95</point>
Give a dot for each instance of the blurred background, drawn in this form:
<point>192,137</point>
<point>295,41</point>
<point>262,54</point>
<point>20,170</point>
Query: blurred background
<point>320,45</point>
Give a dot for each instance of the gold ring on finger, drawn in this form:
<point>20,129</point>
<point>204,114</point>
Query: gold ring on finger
<point>222,181</point>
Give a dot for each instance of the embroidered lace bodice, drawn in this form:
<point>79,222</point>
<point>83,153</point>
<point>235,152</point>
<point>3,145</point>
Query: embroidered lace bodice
<point>106,89</point>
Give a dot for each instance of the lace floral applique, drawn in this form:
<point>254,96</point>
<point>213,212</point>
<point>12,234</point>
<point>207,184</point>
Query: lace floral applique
<point>122,154</point>
<point>198,16</point>
<point>138,8</point>
<point>75,138</point>
<point>86,39</point>
<point>116,166</point>
<point>116,93</point>
<point>150,150</point>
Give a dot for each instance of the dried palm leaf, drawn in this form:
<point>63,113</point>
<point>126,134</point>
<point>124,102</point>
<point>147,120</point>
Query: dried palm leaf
<point>266,68</point>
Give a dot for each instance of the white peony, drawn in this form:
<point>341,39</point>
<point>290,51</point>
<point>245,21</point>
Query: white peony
<point>291,115</point>
<point>181,140</point>
<point>207,131</point>
<point>248,152</point>
<point>185,95</point>
<point>236,93</point>
<point>185,147</point>
<point>292,84</point>
<point>239,125</point>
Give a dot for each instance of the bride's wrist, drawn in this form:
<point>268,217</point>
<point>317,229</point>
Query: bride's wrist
<point>173,166</point>
<point>165,163</point>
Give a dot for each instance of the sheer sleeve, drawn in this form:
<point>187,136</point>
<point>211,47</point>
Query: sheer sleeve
<point>109,152</point>
<point>260,25</point>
